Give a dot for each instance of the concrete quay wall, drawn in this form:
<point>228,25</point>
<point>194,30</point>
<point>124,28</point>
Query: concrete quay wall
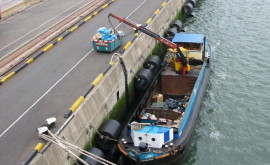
<point>98,104</point>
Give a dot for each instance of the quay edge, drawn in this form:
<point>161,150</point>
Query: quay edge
<point>98,104</point>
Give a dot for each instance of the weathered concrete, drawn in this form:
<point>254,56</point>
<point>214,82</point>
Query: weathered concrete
<point>17,8</point>
<point>101,100</point>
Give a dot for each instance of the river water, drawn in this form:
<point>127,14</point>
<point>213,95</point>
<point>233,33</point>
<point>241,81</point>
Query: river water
<point>234,123</point>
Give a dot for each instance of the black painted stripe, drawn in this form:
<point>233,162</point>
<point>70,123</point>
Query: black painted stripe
<point>88,91</point>
<point>39,54</point>
<point>66,34</point>
<point>81,23</point>
<point>20,68</point>
<point>30,157</point>
<point>107,69</point>
<point>99,10</point>
<point>133,39</point>
<point>110,2</point>
<point>55,42</point>
<point>68,114</point>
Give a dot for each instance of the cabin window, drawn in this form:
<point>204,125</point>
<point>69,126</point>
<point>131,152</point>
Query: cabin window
<point>153,139</point>
<point>140,138</point>
<point>192,46</point>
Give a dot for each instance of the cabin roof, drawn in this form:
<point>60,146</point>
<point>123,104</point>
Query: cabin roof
<point>188,38</point>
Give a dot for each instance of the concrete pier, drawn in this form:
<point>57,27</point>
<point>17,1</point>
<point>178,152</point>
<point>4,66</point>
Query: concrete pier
<point>98,104</point>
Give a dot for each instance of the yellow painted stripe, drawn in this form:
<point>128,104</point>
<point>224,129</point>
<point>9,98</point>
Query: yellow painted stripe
<point>97,80</point>
<point>76,104</point>
<point>60,39</point>
<point>74,28</point>
<point>149,20</point>
<point>137,34</point>
<point>127,45</point>
<point>87,18</point>
<point>157,11</point>
<point>104,6</point>
<point>48,47</point>
<point>111,63</point>
<point>95,13</point>
<point>113,0</point>
<point>8,76</point>
<point>163,4</point>
<point>39,147</point>
<point>30,61</point>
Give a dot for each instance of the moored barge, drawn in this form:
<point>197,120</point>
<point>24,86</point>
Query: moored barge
<point>171,91</point>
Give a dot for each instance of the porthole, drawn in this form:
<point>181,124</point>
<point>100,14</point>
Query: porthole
<point>140,138</point>
<point>153,139</point>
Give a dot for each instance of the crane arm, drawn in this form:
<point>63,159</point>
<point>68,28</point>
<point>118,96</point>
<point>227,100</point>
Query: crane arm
<point>153,35</point>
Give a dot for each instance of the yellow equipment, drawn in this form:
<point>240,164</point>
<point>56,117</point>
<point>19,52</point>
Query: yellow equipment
<point>173,59</point>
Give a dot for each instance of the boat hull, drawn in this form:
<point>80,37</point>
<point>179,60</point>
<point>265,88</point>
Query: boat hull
<point>185,138</point>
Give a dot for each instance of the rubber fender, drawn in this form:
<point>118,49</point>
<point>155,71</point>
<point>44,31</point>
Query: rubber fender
<point>168,37</point>
<point>171,32</point>
<point>95,151</point>
<point>113,154</point>
<point>192,14</point>
<point>153,63</point>
<point>111,129</point>
<point>188,9</point>
<point>184,29</point>
<point>178,25</point>
<point>193,2</point>
<point>143,79</point>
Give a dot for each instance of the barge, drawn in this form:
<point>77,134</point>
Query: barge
<point>170,93</point>
<point>161,129</point>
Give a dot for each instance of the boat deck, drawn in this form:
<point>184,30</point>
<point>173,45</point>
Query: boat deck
<point>194,71</point>
<point>174,84</point>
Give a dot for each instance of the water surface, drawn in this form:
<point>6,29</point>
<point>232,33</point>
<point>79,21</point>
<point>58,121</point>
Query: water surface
<point>233,128</point>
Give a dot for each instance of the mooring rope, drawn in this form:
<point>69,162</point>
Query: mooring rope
<point>67,146</point>
<point>103,136</point>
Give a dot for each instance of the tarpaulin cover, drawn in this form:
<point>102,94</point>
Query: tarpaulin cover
<point>106,34</point>
<point>188,38</point>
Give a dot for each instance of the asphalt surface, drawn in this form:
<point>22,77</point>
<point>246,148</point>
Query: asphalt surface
<point>51,84</point>
<point>32,21</point>
<point>7,4</point>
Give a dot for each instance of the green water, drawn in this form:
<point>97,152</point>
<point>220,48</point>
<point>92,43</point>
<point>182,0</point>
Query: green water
<point>234,124</point>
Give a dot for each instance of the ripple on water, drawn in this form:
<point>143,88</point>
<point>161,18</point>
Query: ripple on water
<point>234,121</point>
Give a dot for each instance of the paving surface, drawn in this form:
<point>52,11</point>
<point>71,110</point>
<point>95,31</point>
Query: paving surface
<point>24,26</point>
<point>51,84</point>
